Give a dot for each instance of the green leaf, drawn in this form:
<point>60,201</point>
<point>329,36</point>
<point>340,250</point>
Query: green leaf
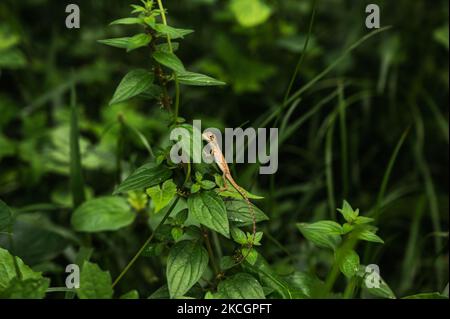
<point>347,211</point>
<point>133,84</point>
<point>208,185</point>
<point>133,294</point>
<point>186,263</point>
<point>182,216</point>
<point>270,278</point>
<point>165,47</point>
<point>227,262</point>
<point>238,235</point>
<point>441,35</point>
<point>429,295</point>
<point>197,79</point>
<point>209,210</point>
<point>377,286</point>
<point>36,239</point>
<point>322,234</point>
<point>173,33</point>
<point>198,176</point>
<point>12,59</point>
<point>138,200</point>
<point>241,286</point>
<point>368,235</point>
<point>169,60</point>
<point>177,233</point>
<point>251,255</point>
<point>26,289</point>
<point>327,227</point>
<point>250,13</point>
<point>5,216</point>
<point>121,43</point>
<point>346,228</point>
<point>348,262</point>
<point>258,237</point>
<point>363,220</point>
<point>150,21</point>
<point>94,283</point>
<point>195,188</point>
<point>239,212</point>
<point>153,92</point>
<point>127,21</point>
<point>137,9</point>
<point>8,39</point>
<point>8,270</point>
<point>153,249</point>
<point>162,196</point>
<point>305,284</point>
<point>102,213</point>
<point>148,175</point>
<point>138,41</point>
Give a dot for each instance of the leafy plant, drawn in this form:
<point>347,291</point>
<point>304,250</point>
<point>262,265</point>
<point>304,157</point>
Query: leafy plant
<point>87,179</point>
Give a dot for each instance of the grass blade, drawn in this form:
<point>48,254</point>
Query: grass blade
<point>387,174</point>
<point>329,166</point>
<point>343,135</point>
<point>76,176</point>
<point>334,64</point>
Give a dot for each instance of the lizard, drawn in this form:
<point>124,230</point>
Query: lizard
<point>219,158</point>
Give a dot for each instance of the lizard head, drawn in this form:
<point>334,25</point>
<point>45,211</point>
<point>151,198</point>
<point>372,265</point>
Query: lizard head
<point>209,136</point>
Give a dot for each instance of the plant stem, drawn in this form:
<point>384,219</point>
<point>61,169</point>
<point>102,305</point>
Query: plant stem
<point>169,43</point>
<point>210,251</point>
<point>302,56</point>
<point>11,245</point>
<point>133,260</point>
<point>350,289</point>
<point>217,245</point>
<point>60,289</point>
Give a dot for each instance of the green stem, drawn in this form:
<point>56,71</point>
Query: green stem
<point>188,173</point>
<point>302,56</point>
<point>11,245</point>
<point>343,133</point>
<point>350,289</point>
<point>217,245</point>
<point>169,43</point>
<point>60,289</point>
<point>210,251</point>
<point>133,260</point>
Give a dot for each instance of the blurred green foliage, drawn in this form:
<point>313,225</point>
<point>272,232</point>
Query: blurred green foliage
<point>395,81</point>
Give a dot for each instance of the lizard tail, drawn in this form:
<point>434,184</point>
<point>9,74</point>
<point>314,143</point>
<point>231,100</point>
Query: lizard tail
<point>252,213</point>
<point>253,216</point>
<point>251,210</point>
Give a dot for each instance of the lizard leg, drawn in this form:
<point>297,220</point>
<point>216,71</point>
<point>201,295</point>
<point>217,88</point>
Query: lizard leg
<point>208,155</point>
<point>225,186</point>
